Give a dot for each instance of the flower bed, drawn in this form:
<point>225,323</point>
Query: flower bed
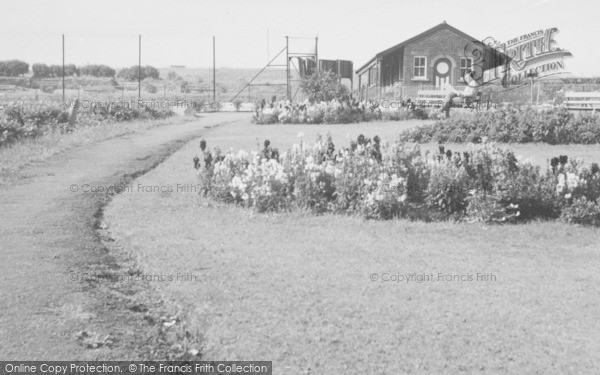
<point>512,125</point>
<point>381,180</point>
<point>332,112</point>
<point>22,120</point>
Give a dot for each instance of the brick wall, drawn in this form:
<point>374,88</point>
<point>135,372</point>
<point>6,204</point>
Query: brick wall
<point>442,43</point>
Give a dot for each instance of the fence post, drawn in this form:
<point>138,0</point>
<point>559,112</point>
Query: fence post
<point>288,91</point>
<point>140,66</point>
<point>214,74</point>
<point>63,68</point>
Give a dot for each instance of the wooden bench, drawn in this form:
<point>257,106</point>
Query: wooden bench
<point>437,98</point>
<point>431,98</point>
<point>8,88</point>
<point>98,89</point>
<point>129,86</point>
<point>582,101</point>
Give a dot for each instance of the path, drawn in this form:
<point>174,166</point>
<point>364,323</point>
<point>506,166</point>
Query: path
<point>47,237</point>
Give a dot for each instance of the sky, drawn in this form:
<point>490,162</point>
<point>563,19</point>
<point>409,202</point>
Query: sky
<point>249,32</point>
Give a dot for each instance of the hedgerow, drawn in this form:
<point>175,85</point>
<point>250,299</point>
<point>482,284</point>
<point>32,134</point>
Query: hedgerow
<point>335,111</point>
<point>511,125</point>
<point>28,120</point>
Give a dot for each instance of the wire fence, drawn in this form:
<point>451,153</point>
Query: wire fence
<point>189,67</point>
<point>192,68</point>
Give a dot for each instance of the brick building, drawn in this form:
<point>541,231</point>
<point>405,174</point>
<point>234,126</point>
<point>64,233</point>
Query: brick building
<point>427,61</point>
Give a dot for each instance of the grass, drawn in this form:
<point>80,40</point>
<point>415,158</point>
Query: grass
<point>229,82</point>
<point>14,158</point>
<point>297,289</point>
<point>244,135</point>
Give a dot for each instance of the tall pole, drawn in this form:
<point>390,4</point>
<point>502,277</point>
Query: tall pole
<point>287,68</point>
<point>268,47</point>
<point>531,89</point>
<point>63,68</point>
<point>139,66</point>
<point>317,51</point>
<point>214,74</point>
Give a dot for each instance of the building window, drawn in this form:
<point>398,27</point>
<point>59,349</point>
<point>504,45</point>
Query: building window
<point>420,67</point>
<point>373,76</point>
<point>465,63</point>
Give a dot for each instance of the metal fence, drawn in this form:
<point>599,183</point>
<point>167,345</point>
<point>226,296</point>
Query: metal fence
<point>190,67</point>
<point>538,93</point>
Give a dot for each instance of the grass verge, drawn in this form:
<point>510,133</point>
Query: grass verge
<point>335,294</point>
<point>16,157</point>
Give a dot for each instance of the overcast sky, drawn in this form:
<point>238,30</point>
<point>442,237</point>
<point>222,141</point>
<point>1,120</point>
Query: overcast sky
<point>179,32</point>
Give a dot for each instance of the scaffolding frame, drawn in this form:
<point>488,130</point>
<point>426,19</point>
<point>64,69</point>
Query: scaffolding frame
<point>288,56</point>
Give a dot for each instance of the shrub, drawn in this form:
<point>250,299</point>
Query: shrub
<point>148,87</point>
<point>196,105</point>
<point>131,73</point>
<point>96,70</point>
<point>485,207</point>
<point>214,106</point>
<point>172,76</point>
<point>48,89</point>
<point>529,191</point>
<point>237,104</point>
<point>323,86</point>
<point>13,68</point>
<point>385,198</point>
<point>448,187</point>
<point>332,112</point>
<point>512,124</point>
<point>19,122</point>
<point>27,120</point>
<point>40,70</point>
<point>407,162</point>
<point>381,181</point>
<point>267,116</point>
<point>582,211</point>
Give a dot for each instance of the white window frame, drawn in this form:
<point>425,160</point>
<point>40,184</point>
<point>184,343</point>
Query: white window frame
<point>462,69</point>
<point>424,67</point>
<point>372,73</point>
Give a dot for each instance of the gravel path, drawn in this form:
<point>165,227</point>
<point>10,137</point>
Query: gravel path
<point>48,238</point>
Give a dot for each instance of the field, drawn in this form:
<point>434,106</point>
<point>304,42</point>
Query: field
<point>229,82</point>
<point>340,295</point>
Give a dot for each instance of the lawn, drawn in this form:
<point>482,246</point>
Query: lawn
<point>244,135</point>
<point>315,295</point>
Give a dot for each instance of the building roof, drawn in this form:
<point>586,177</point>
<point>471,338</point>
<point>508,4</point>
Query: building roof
<point>424,34</point>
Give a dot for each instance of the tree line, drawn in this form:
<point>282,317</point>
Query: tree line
<point>16,68</point>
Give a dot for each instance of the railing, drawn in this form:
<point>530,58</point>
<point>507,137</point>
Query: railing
<point>581,101</point>
<point>367,93</point>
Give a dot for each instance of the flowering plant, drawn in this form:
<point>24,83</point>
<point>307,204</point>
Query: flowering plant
<point>333,111</point>
<point>383,181</point>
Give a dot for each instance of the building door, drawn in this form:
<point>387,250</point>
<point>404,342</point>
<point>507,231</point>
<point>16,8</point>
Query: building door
<point>441,73</point>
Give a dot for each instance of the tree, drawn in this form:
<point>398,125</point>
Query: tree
<point>13,68</point>
<point>40,70</point>
<point>96,70</point>
<point>131,73</point>
<point>56,70</point>
<point>172,76</point>
<point>71,70</point>
<point>323,86</point>
<point>150,72</point>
